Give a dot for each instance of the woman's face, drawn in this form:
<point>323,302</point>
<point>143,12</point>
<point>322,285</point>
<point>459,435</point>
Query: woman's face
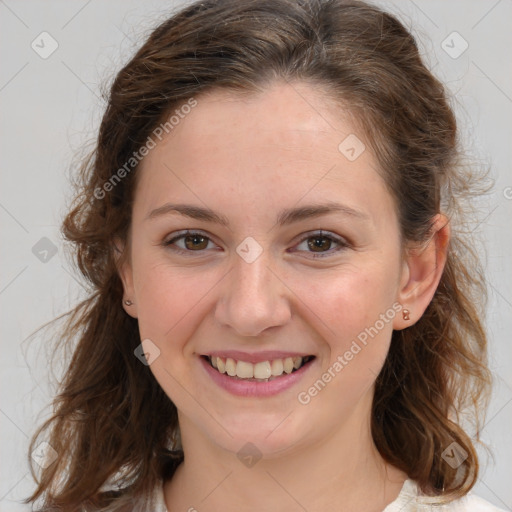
<point>264,284</point>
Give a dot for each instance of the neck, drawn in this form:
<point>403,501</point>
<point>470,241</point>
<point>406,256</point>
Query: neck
<point>344,468</point>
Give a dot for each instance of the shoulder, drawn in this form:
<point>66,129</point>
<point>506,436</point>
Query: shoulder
<point>159,501</point>
<point>411,499</point>
<point>471,503</point>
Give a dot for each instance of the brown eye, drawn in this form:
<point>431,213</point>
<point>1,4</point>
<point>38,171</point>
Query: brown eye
<point>195,241</point>
<point>187,242</point>
<point>319,243</point>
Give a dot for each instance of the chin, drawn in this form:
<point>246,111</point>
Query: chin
<point>268,435</point>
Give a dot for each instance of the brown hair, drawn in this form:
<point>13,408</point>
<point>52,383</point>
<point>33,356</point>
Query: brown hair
<point>112,423</point>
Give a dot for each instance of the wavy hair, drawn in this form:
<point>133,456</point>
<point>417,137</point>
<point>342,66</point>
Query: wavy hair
<point>113,448</point>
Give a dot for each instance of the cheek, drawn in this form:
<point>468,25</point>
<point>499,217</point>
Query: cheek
<point>351,306</point>
<point>171,300</point>
<point>353,313</point>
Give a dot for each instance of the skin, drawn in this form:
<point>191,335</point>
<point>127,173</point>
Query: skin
<point>247,158</point>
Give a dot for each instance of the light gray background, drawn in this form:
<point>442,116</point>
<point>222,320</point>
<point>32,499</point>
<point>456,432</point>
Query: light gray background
<point>51,107</point>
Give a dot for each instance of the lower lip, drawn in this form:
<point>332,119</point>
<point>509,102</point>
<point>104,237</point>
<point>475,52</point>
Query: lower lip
<point>252,388</point>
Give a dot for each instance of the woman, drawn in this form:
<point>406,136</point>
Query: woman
<point>284,315</point>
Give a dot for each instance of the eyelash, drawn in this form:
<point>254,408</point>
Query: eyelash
<point>317,234</point>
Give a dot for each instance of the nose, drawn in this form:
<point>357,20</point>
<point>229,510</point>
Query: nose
<point>253,298</point>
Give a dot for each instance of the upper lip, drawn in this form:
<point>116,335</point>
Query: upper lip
<point>255,357</point>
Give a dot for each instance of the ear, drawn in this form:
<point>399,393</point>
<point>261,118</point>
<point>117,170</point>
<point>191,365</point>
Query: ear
<point>422,271</point>
<point>124,268</point>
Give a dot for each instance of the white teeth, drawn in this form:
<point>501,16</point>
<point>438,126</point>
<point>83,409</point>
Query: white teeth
<point>244,370</point>
<point>263,370</point>
<point>288,365</point>
<point>230,367</point>
<point>277,367</point>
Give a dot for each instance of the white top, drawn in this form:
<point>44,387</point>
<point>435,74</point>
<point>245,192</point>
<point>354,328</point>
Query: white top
<point>410,499</point>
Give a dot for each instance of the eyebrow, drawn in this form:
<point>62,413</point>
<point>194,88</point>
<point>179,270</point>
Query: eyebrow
<point>284,217</point>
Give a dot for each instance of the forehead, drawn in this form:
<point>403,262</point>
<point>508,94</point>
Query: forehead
<point>291,115</point>
<point>274,146</point>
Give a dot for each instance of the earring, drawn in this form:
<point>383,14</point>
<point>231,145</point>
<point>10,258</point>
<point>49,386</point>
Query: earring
<point>128,302</point>
<point>405,314</point>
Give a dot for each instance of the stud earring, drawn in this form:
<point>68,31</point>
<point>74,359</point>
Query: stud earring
<point>128,302</point>
<point>405,314</point>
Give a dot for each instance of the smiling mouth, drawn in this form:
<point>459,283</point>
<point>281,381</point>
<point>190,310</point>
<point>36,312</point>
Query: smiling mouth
<point>264,371</point>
